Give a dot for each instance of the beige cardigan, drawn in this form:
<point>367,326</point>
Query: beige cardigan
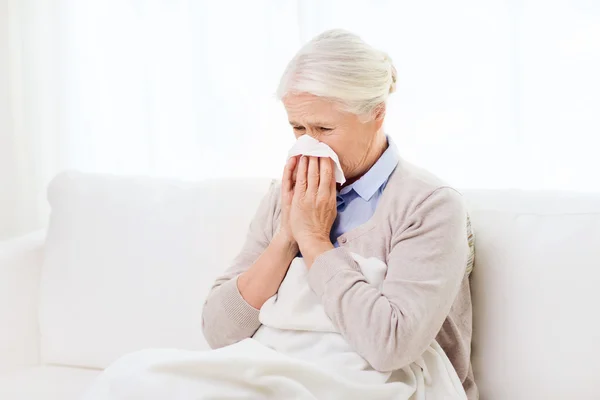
<point>421,230</point>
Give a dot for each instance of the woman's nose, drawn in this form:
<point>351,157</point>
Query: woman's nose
<point>311,134</point>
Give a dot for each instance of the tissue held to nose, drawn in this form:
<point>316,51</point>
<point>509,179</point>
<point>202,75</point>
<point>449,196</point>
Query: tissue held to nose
<point>308,146</point>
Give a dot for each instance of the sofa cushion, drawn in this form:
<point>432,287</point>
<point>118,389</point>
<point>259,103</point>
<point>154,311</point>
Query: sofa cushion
<point>536,289</point>
<point>129,261</point>
<point>46,383</point>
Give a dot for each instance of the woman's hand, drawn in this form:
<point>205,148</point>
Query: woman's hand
<point>313,208</point>
<point>287,193</point>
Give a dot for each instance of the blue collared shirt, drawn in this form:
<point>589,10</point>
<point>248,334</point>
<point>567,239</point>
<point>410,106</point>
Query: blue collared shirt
<point>356,202</point>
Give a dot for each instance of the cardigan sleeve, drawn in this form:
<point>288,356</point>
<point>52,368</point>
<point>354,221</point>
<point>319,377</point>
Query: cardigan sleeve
<point>226,317</point>
<point>393,326</point>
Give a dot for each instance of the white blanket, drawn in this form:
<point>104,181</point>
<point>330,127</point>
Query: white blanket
<point>296,354</point>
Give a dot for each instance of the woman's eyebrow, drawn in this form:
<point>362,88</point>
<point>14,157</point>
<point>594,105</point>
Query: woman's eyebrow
<point>314,123</point>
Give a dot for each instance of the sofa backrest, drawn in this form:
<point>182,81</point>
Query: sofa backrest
<point>536,289</point>
<point>129,261</point>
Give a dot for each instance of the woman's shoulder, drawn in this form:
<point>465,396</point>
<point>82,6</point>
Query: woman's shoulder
<point>274,196</point>
<point>418,177</point>
<point>271,200</point>
<point>411,185</point>
<point>266,216</point>
<point>274,193</point>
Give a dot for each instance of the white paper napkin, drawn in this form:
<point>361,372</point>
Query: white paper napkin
<point>308,146</point>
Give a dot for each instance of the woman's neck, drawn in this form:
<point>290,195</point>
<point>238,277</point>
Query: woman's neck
<point>380,145</point>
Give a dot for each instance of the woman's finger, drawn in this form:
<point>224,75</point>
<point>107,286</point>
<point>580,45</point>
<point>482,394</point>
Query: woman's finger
<point>326,175</point>
<point>300,186</point>
<point>313,175</point>
<point>333,182</point>
<point>295,169</point>
<point>287,182</point>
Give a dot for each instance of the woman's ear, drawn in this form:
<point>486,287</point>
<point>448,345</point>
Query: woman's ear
<point>379,115</point>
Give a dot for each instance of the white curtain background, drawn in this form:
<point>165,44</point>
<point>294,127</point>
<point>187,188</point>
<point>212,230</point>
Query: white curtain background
<point>491,94</point>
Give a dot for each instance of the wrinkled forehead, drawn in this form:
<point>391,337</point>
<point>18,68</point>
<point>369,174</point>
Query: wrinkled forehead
<point>308,108</point>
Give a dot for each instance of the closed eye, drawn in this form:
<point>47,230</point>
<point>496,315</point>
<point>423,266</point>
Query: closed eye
<point>319,128</point>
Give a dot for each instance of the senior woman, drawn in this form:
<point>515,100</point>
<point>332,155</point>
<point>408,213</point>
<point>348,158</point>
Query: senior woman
<point>335,90</point>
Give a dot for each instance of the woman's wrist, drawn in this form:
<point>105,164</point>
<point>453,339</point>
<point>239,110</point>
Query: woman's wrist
<point>286,243</point>
<point>313,248</point>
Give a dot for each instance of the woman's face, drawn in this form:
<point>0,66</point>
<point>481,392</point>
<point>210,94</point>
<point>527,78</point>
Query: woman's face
<point>352,140</point>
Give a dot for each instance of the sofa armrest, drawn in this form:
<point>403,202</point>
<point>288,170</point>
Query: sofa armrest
<point>20,268</point>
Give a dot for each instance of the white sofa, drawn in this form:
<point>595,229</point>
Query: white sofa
<point>126,262</point>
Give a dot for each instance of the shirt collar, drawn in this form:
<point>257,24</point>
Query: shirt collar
<point>378,175</point>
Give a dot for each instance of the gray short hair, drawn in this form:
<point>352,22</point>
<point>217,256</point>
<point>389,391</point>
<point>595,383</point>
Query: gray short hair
<point>339,65</point>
